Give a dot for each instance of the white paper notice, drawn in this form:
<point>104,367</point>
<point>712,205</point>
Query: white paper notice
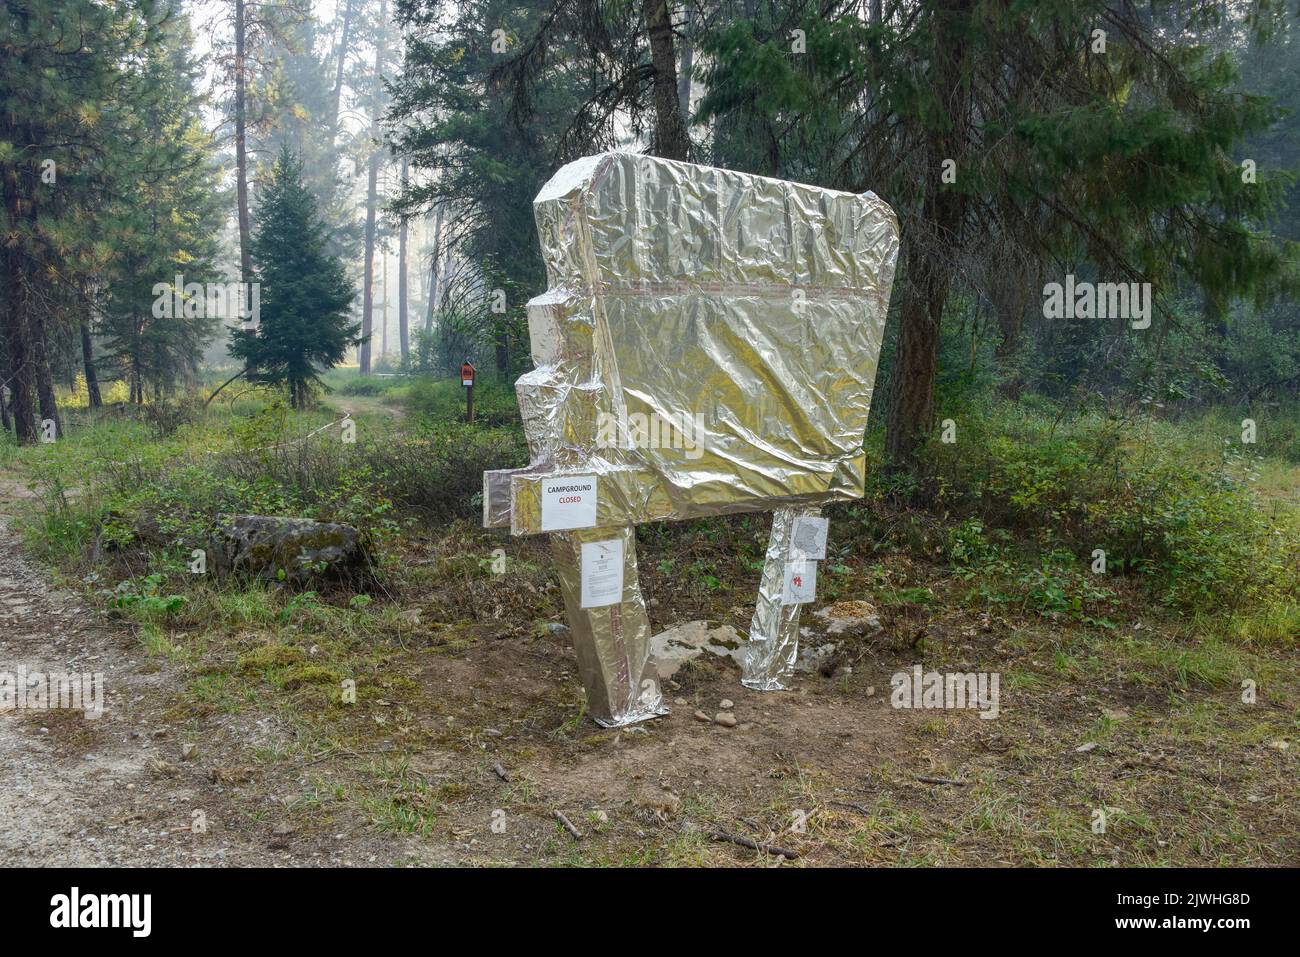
<point>602,573</point>
<point>800,583</point>
<point>568,502</point>
<point>808,538</point>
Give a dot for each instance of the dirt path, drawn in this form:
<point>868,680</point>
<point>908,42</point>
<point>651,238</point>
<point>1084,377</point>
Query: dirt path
<point>365,405</point>
<point>118,789</point>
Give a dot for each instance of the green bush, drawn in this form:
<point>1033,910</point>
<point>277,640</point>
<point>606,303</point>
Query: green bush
<point>438,471</point>
<point>365,385</point>
<point>1188,527</point>
<point>495,403</point>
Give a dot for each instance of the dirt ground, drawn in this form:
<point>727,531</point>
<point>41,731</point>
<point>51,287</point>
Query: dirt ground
<point>115,790</point>
<point>468,738</point>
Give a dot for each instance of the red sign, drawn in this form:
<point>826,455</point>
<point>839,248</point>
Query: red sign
<point>466,374</point>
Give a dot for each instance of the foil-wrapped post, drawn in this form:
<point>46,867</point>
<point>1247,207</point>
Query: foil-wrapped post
<point>612,640</point>
<point>788,583</point>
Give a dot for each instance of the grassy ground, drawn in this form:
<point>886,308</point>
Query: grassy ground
<point>1122,702</point>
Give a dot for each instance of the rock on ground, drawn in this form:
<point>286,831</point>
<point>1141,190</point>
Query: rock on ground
<point>265,546</point>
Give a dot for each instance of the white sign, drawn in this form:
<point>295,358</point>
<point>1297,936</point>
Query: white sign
<point>466,381</point>
<point>800,583</point>
<point>568,502</point>
<point>602,573</point>
<point>808,539</point>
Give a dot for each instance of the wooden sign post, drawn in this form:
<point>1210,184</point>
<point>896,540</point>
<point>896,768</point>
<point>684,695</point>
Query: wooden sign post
<point>467,380</point>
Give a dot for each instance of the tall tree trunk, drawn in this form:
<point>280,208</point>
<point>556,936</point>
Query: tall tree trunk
<point>88,361</point>
<point>434,272</point>
<point>44,376</point>
<point>671,141</point>
<point>4,404</point>
<point>241,151</point>
<point>338,78</point>
<point>403,332</point>
<point>372,185</point>
<point>930,252</point>
<point>688,61</point>
<point>368,278</point>
<point>383,307</point>
<point>22,380</point>
<point>6,377</point>
<point>502,350</point>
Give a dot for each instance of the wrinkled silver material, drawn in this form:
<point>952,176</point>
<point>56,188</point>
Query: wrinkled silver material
<point>613,642</point>
<point>743,313</point>
<point>773,646</point>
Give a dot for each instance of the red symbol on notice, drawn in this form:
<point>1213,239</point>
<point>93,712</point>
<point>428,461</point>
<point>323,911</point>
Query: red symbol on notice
<point>798,581</point>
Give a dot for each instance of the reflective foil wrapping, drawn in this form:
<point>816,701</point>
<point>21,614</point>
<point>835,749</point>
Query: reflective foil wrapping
<point>745,309</point>
<point>613,642</point>
<point>773,645</point>
<point>707,345</point>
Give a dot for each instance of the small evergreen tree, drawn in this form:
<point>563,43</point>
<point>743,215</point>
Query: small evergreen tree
<point>305,296</point>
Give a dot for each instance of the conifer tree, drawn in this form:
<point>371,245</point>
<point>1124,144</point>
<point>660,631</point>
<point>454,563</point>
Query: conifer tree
<point>303,326</point>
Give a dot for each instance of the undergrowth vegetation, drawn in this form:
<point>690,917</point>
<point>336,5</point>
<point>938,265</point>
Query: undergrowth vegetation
<point>1029,510</point>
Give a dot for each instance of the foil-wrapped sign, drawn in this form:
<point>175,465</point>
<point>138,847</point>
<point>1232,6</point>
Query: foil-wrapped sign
<point>707,345</point>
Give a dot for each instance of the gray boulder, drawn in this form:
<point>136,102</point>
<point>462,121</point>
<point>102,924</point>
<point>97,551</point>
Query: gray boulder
<point>293,550</point>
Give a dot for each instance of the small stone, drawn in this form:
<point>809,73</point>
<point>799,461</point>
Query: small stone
<point>160,733</point>
<point>1085,748</point>
<point>160,768</point>
<point>1115,714</point>
<point>871,691</point>
<point>726,703</point>
<point>282,830</point>
<point>701,716</point>
<point>681,701</point>
<point>1280,745</point>
<point>725,718</point>
<point>189,752</point>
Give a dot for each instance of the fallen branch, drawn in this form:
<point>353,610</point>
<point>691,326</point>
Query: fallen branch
<point>860,808</point>
<point>222,386</point>
<point>753,845</point>
<point>568,825</point>
<point>926,780</point>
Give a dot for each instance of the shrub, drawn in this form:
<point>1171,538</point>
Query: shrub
<point>495,403</point>
<point>364,385</point>
<point>1191,529</point>
<point>439,470</point>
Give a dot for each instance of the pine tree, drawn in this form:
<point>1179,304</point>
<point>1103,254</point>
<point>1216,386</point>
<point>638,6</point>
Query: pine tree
<point>305,295</point>
<point>481,140</point>
<point>164,218</point>
<point>57,127</point>
<point>1064,131</point>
